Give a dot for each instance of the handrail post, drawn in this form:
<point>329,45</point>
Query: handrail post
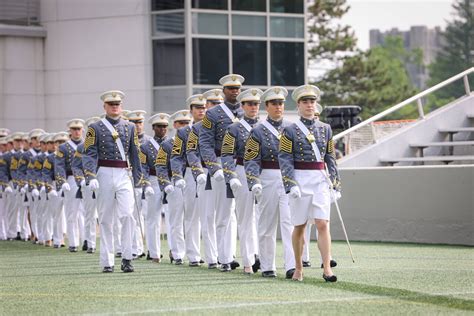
<point>466,85</point>
<point>372,130</point>
<point>421,113</point>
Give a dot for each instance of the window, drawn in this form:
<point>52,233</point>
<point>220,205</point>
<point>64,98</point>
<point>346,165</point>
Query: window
<point>158,5</point>
<point>249,5</point>
<point>168,24</point>
<point>250,60</point>
<point>168,62</point>
<point>206,23</point>
<point>287,63</point>
<point>287,27</point>
<point>210,60</point>
<point>249,25</point>
<point>169,100</point>
<point>210,4</point>
<point>287,6</point>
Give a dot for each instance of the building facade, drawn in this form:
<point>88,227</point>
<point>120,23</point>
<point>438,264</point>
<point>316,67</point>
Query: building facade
<point>56,57</point>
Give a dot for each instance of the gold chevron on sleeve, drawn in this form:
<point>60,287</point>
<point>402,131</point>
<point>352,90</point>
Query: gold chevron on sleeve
<point>90,138</point>
<point>286,145</point>
<point>206,122</point>
<point>228,144</point>
<point>192,141</point>
<point>177,144</point>
<point>252,148</point>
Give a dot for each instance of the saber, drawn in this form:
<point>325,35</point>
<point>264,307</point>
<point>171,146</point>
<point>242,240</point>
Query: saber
<point>338,212</point>
<point>137,209</point>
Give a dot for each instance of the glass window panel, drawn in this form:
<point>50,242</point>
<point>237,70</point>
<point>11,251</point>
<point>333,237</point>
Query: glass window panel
<point>287,63</point>
<point>290,104</point>
<point>249,25</point>
<point>210,4</point>
<point>168,24</point>
<point>169,100</point>
<point>250,60</point>
<point>158,5</point>
<point>169,62</point>
<point>286,27</point>
<point>207,23</point>
<point>249,5</point>
<point>210,60</point>
<point>287,6</point>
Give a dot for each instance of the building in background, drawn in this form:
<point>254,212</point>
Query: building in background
<point>428,40</point>
<point>56,57</point>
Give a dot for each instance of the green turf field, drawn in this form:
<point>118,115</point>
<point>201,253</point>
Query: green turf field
<point>386,279</point>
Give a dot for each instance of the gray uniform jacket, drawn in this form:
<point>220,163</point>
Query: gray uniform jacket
<point>5,158</point>
<point>295,147</point>
<point>148,157</point>
<point>215,124</point>
<point>76,164</point>
<point>63,162</point>
<point>193,154</point>
<point>178,161</point>
<point>49,172</point>
<point>162,163</point>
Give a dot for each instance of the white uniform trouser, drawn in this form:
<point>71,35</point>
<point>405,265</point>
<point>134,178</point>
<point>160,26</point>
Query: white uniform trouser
<point>206,207</point>
<point>47,220</point>
<point>25,231</point>
<point>115,193</point>
<point>223,209</point>
<point>3,216</point>
<point>117,233</point>
<point>72,208</point>
<point>169,238</point>
<point>273,205</point>
<point>90,216</point>
<point>192,228</point>
<point>34,216</point>
<point>153,220</point>
<point>139,220</point>
<point>176,219</point>
<point>245,210</point>
<point>57,205</point>
<point>12,214</point>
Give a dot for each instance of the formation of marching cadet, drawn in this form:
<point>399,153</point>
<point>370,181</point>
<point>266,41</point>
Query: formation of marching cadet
<point>222,174</point>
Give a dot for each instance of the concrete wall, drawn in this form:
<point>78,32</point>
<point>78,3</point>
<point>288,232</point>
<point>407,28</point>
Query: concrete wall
<point>425,204</point>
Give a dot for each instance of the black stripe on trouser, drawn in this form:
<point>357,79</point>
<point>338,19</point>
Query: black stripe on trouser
<point>79,193</point>
<point>165,201</point>
<point>228,190</point>
<point>208,182</point>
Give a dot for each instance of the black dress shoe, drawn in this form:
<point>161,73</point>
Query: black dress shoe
<point>108,270</point>
<point>201,261</point>
<point>212,266</point>
<point>141,255</point>
<point>148,256</point>
<point>306,264</point>
<point>62,245</point>
<point>118,255</point>
<point>256,265</point>
<point>90,250</point>
<point>127,266</point>
<point>234,265</point>
<point>330,278</point>
<point>84,246</point>
<point>56,246</point>
<point>18,236</point>
<point>178,262</point>
<point>171,257</point>
<point>332,263</point>
<point>289,273</point>
<point>194,264</point>
<point>269,274</point>
<point>225,267</point>
<point>72,249</point>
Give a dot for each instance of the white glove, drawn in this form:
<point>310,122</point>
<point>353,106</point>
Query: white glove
<point>35,193</point>
<point>235,184</point>
<point>138,192</point>
<point>201,179</point>
<point>295,192</point>
<point>94,184</point>
<point>66,187</point>
<point>336,196</point>
<point>219,175</point>
<point>149,192</point>
<point>23,189</point>
<point>180,184</point>
<point>257,189</point>
<point>42,189</point>
<point>169,189</point>
<point>82,184</point>
<point>8,189</point>
<point>53,193</point>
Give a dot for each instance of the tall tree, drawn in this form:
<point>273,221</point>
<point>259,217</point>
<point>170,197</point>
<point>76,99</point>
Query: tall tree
<point>457,52</point>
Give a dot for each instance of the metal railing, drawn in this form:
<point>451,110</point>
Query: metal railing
<point>417,98</point>
<point>20,12</point>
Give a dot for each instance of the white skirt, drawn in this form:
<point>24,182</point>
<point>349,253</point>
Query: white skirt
<point>315,201</point>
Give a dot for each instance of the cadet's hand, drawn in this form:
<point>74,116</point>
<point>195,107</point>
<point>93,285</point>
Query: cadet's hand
<point>138,192</point>
<point>180,184</point>
<point>149,192</point>
<point>257,190</point>
<point>53,193</point>
<point>42,189</point>
<point>66,187</point>
<point>219,175</point>
<point>169,189</point>
<point>336,195</point>
<point>8,189</point>
<point>35,193</point>
<point>235,184</point>
<point>201,179</point>
<point>23,189</point>
<point>295,192</point>
<point>83,183</point>
<point>94,184</point>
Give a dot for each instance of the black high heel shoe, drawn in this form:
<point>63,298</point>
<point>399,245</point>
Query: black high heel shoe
<point>330,278</point>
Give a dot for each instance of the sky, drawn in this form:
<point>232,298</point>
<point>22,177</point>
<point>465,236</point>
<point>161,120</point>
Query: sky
<point>365,15</point>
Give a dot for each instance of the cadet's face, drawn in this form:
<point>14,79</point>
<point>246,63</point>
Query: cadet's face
<point>211,104</point>
<point>26,145</point>
<point>231,93</point>
<point>307,107</point>
<point>75,132</point>
<point>198,113</point>
<point>251,108</point>
<point>17,144</point>
<point>160,130</point>
<point>275,109</point>
<point>139,126</point>
<point>50,146</point>
<point>34,142</point>
<point>9,146</point>
<point>179,124</point>
<point>2,147</point>
<point>113,109</point>
<point>43,146</point>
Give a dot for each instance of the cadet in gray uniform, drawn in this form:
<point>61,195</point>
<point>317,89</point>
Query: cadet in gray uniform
<point>215,124</point>
<point>305,147</point>
<point>17,199</point>
<point>233,150</point>
<point>264,180</point>
<point>110,148</point>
